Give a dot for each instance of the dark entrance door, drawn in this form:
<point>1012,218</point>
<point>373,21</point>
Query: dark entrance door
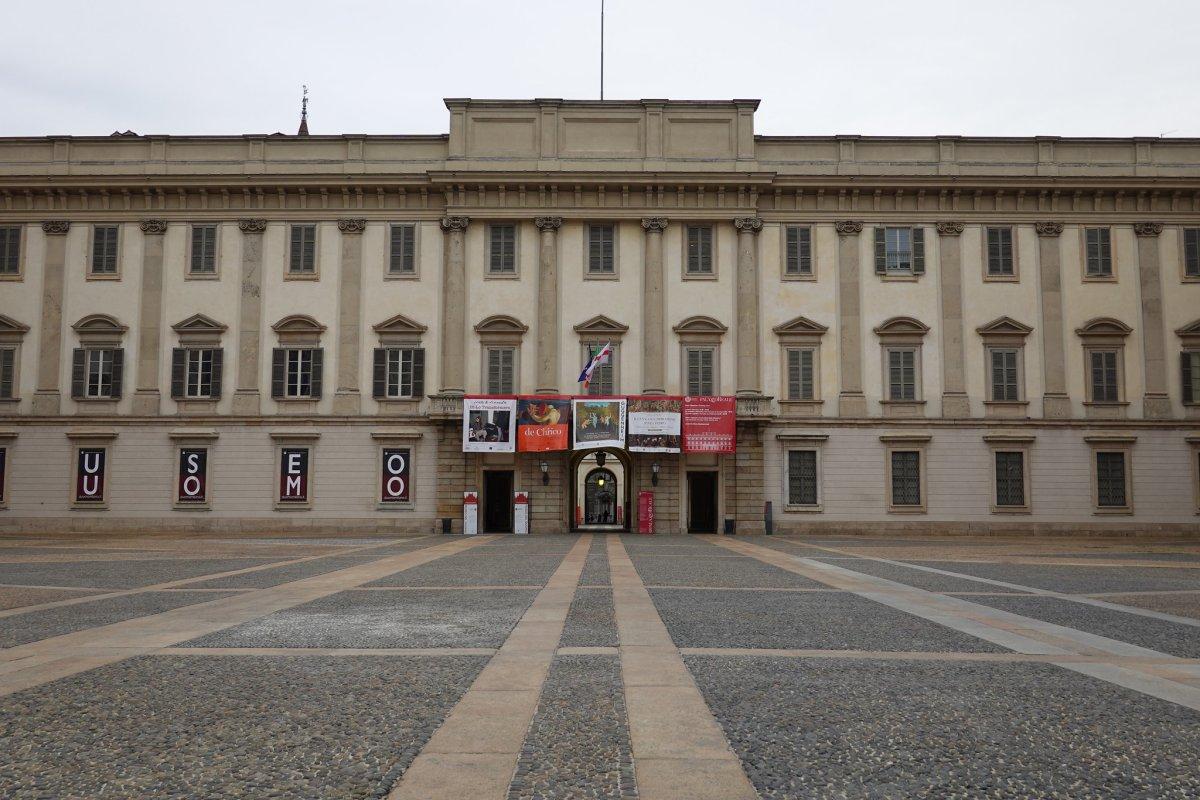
<point>702,502</point>
<point>497,501</point>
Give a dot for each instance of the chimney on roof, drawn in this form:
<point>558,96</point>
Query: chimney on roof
<point>303,114</point>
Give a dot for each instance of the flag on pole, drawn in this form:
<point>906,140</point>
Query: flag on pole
<point>601,357</point>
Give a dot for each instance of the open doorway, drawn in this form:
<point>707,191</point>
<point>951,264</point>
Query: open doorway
<point>600,491</point>
<point>498,501</point>
<point>702,501</point>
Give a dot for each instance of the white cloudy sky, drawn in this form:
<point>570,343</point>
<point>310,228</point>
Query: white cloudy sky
<point>980,67</point>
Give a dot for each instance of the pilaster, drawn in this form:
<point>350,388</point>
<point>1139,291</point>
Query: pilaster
<point>547,330</point>
<point>147,397</point>
<point>749,381</point>
<point>1056,404</point>
<point>454,305</point>
<point>47,398</point>
<point>851,401</point>
<point>1155,403</point>
<point>954,388</point>
<point>247,397</point>
<point>653,309</point>
<point>347,399</point>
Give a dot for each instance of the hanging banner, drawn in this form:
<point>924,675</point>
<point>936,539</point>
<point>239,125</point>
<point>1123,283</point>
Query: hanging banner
<point>293,474</point>
<point>709,425</point>
<point>653,424</point>
<point>470,513</point>
<point>489,424</point>
<point>89,475</point>
<point>598,423</point>
<point>645,512</point>
<point>193,475</point>
<point>521,513</point>
<point>543,424</point>
<point>395,474</point>
<point>3,473</point>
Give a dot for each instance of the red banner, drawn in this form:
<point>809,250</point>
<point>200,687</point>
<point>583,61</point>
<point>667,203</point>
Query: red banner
<point>395,473</point>
<point>645,512</point>
<point>709,425</point>
<point>293,475</point>
<point>543,424</point>
<point>193,475</point>
<point>89,475</point>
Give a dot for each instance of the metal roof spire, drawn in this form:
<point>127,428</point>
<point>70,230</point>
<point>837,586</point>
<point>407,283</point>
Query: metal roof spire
<point>304,114</point>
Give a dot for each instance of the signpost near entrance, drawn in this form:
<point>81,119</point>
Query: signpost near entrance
<point>470,513</point>
<point>521,513</point>
<point>645,512</point>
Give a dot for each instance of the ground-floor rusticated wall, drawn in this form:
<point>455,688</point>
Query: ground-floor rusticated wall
<point>668,516</point>
<point>453,466</point>
<point>745,503</point>
<point>549,504</point>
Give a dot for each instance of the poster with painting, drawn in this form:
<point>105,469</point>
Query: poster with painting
<point>709,424</point>
<point>598,423</point>
<point>543,424</point>
<point>653,424</point>
<point>489,424</point>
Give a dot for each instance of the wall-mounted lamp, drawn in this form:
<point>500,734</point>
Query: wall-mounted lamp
<point>545,473</point>
<point>654,474</point>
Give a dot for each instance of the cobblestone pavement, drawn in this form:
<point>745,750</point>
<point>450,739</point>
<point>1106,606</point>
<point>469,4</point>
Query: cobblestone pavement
<point>660,667</point>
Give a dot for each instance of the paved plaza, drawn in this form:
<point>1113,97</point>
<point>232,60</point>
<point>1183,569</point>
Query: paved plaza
<point>649,667</point>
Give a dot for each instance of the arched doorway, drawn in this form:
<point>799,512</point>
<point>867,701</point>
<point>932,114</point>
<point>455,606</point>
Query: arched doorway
<point>600,490</point>
<point>600,497</point>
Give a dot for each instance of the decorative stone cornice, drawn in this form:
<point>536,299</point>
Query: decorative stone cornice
<point>55,227</point>
<point>154,227</point>
<point>1048,228</point>
<point>352,225</point>
<point>654,224</point>
<point>551,224</point>
<point>846,227</point>
<point>252,225</point>
<point>748,224</point>
<point>950,228</point>
<point>452,224</point>
<point>1147,228</point>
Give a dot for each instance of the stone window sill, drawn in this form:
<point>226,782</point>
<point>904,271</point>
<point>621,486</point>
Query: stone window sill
<point>817,509</point>
<point>900,278</point>
<point>1012,510</point>
<point>202,276</point>
<point>1001,278</point>
<point>907,510</point>
<point>1124,511</point>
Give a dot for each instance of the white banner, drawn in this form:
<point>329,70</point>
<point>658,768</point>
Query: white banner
<point>653,425</point>
<point>489,425</point>
<point>598,423</point>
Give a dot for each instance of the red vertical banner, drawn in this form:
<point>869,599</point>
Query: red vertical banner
<point>293,474</point>
<point>3,472</point>
<point>89,474</point>
<point>709,425</point>
<point>193,475</point>
<point>396,475</point>
<point>645,512</point>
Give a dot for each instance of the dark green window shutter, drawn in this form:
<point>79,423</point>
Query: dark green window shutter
<point>318,357</point>
<point>7,389</point>
<point>1185,363</point>
<point>218,366</point>
<point>78,367</point>
<point>418,372</point>
<point>918,243</point>
<point>1191,252</point>
<point>178,370</point>
<point>278,371</point>
<point>880,252</point>
<point>379,374</point>
<point>118,371</point>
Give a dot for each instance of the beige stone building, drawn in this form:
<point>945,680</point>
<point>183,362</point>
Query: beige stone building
<point>271,332</point>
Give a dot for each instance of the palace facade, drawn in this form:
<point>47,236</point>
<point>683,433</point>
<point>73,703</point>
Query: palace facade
<point>276,332</point>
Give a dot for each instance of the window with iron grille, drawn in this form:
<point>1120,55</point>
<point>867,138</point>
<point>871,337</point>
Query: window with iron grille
<point>1006,385</point>
<point>798,259</point>
<point>900,251</point>
<point>602,249</point>
<point>1189,363</point>
<point>1010,478</point>
<point>1110,480</point>
<point>906,478</point>
<point>204,250</point>
<point>1105,383</point>
<point>700,382</point>
<point>402,253</point>
<point>902,374</point>
<point>800,374</point>
<point>8,366</point>
<point>603,377</point>
<point>304,250</point>
<point>1098,242</point>
<point>104,249</point>
<point>699,249</point>
<point>502,249</point>
<point>10,250</point>
<point>501,364</point>
<point>802,477</point>
<point>1000,253</point>
<point>1191,252</point>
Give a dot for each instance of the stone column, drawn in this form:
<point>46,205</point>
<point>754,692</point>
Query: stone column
<point>247,398</point>
<point>654,366</point>
<point>1056,404</point>
<point>454,305</point>
<point>749,381</point>
<point>147,396</point>
<point>547,317</point>
<point>47,399</point>
<point>347,399</point>
<point>1155,404</point>
<point>851,401</point>
<point>954,385</point>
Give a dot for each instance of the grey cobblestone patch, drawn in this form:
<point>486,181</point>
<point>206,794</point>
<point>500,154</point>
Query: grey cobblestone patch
<point>578,744</point>
<point>292,572</point>
<point>809,728</point>
<point>798,620</point>
<point>480,567</point>
<point>554,543</point>
<point>1181,605</point>
<point>227,728</point>
<point>703,571</point>
<point>592,621</point>
<point>20,596</point>
<point>595,567</point>
<point>450,618</point>
<point>36,625</point>
<point>1080,580</point>
<point>120,574</point>
<point>1167,637</point>
<point>785,545</point>
<point>930,581</point>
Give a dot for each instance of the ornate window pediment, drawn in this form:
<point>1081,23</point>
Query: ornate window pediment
<point>1103,326</point>
<point>1190,333</point>
<point>11,330</point>
<point>699,328</point>
<point>99,324</point>
<point>1004,327</point>
<point>902,327</point>
<point>601,326</point>
<point>399,330</point>
<point>199,323</point>
<point>298,329</point>
<point>501,324</point>
<point>800,327</point>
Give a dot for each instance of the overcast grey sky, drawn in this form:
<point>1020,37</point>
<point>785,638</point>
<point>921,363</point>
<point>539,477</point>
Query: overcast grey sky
<point>1017,67</point>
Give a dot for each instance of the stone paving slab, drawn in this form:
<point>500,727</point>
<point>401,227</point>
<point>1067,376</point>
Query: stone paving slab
<point>21,596</point>
<point>930,581</point>
<point>702,571</point>
<point>227,728</point>
<point>445,618</point>
<point>592,621</point>
<point>1077,579</point>
<point>492,565</point>
<point>902,729</point>
<point>785,620</point>
<point>291,572</point>
<point>1181,605</point>
<point>120,574</point>
<point>38,625</point>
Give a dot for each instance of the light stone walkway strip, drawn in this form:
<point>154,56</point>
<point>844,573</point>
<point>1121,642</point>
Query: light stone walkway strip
<point>679,749</point>
<point>474,754</point>
<point>924,655</point>
<point>325,651</point>
<point>1018,633</point>
<point>33,664</point>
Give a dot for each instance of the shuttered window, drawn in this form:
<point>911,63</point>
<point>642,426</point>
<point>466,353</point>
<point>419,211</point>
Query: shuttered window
<point>798,257</point>
<point>1005,381</point>
<point>802,477</point>
<point>104,249</point>
<point>1110,480</point>
<point>1189,361</point>
<point>1000,252</point>
<point>502,249</point>
<point>900,251</point>
<point>501,364</point>
<point>97,373</point>
<point>1191,252</point>
<point>198,379</point>
<point>1098,242</point>
<point>10,250</point>
<point>602,250</point>
<point>204,250</point>
<point>800,374</point>
<point>1010,478</point>
<point>402,253</point>
<point>99,376</point>
<point>700,371</point>
<point>304,250</point>
<point>699,249</point>
<point>906,477</point>
<point>602,382</point>
<point>297,373</point>
<point>196,373</point>
<point>8,366</point>
<point>902,374</point>
<point>1104,379</point>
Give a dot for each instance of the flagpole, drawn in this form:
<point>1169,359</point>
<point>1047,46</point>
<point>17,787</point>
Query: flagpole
<point>601,49</point>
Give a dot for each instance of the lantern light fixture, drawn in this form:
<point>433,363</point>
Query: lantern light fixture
<point>654,474</point>
<point>545,473</point>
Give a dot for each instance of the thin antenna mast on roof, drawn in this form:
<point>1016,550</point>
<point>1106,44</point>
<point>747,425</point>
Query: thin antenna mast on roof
<point>601,49</point>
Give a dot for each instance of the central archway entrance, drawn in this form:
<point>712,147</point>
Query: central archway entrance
<point>600,490</point>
